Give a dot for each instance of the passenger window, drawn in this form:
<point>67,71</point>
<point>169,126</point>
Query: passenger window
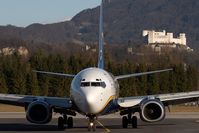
<point>85,84</point>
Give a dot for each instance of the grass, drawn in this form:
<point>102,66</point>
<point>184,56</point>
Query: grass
<point>9,108</point>
<point>181,108</point>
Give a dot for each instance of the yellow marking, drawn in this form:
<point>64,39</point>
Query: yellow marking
<point>110,98</point>
<point>106,129</point>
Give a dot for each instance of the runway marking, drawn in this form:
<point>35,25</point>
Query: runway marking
<point>107,130</point>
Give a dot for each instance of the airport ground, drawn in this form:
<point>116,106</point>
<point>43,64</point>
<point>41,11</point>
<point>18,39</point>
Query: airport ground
<point>175,122</point>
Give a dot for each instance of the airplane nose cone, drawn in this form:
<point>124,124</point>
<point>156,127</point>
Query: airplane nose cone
<point>90,99</point>
<point>92,102</point>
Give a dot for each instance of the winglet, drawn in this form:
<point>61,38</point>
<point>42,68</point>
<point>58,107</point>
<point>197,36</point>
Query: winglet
<point>101,40</point>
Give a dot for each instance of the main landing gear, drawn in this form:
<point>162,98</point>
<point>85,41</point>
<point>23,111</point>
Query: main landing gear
<point>92,123</point>
<point>129,120</point>
<point>65,121</point>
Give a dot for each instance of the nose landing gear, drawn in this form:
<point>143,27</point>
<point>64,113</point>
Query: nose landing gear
<point>92,123</point>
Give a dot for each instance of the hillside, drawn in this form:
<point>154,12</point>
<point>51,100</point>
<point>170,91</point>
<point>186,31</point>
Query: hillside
<point>124,21</point>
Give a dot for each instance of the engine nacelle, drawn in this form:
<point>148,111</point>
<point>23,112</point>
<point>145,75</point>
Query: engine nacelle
<point>39,112</point>
<point>152,111</point>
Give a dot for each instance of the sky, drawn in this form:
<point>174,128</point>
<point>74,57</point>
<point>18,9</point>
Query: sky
<point>25,12</point>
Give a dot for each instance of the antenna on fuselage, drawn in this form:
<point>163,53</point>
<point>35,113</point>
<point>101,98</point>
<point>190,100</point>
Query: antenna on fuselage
<point>101,39</point>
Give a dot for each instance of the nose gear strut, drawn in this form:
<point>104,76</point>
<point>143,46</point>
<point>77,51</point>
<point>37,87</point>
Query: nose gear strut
<point>92,123</point>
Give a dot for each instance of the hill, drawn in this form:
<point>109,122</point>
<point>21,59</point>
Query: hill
<point>124,21</point>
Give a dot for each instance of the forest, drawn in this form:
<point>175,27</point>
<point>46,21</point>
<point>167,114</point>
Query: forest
<point>17,76</point>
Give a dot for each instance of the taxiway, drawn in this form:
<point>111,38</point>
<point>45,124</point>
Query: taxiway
<point>175,123</point>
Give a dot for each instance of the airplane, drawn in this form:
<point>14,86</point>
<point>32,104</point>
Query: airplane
<point>95,92</point>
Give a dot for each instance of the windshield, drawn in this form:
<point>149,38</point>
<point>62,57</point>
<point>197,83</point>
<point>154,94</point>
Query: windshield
<point>85,84</point>
<point>94,84</point>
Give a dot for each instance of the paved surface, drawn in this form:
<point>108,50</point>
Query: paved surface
<point>178,124</point>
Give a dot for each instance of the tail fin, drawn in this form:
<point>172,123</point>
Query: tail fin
<point>101,40</point>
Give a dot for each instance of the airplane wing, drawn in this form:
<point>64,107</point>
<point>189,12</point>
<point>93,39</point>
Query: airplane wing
<point>24,100</point>
<point>56,74</point>
<point>166,99</point>
<point>140,74</point>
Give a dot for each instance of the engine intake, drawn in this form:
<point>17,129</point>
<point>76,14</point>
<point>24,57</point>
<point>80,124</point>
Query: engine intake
<point>39,112</point>
<point>152,111</point>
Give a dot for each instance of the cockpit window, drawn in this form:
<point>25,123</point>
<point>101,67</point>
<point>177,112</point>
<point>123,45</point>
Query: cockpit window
<point>98,84</point>
<point>85,84</point>
<point>103,84</point>
<point>94,84</point>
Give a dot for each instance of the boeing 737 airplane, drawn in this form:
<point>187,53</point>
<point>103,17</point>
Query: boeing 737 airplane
<point>95,92</point>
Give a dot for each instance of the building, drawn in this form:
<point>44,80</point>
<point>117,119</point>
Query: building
<point>23,51</point>
<point>90,48</point>
<point>164,39</point>
<point>7,51</point>
<point>129,50</point>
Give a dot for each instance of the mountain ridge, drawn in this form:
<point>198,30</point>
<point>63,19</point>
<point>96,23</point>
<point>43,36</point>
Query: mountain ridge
<point>124,21</point>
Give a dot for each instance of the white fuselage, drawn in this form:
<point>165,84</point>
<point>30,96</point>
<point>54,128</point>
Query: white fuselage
<point>92,89</point>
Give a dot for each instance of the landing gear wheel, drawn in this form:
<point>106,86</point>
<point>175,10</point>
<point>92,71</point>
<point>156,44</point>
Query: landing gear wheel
<point>61,123</point>
<point>94,127</point>
<point>70,122</point>
<point>89,128</point>
<point>124,122</point>
<point>92,123</point>
<point>134,122</point>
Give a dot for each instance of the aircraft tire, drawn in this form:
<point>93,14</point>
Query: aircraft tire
<point>70,122</point>
<point>94,127</point>
<point>60,123</point>
<point>134,122</point>
<point>124,122</point>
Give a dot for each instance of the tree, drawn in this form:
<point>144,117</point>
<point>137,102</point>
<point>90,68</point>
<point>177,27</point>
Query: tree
<point>33,83</point>
<point>3,85</point>
<point>153,85</point>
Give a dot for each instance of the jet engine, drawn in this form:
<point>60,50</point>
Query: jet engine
<point>39,112</point>
<point>152,111</point>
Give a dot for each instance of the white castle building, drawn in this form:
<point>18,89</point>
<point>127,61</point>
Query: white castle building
<point>165,39</point>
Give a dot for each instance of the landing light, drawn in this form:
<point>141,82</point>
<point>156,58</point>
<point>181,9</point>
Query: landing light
<point>91,124</point>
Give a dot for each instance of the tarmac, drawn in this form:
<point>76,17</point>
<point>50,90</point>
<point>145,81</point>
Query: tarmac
<point>174,123</point>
